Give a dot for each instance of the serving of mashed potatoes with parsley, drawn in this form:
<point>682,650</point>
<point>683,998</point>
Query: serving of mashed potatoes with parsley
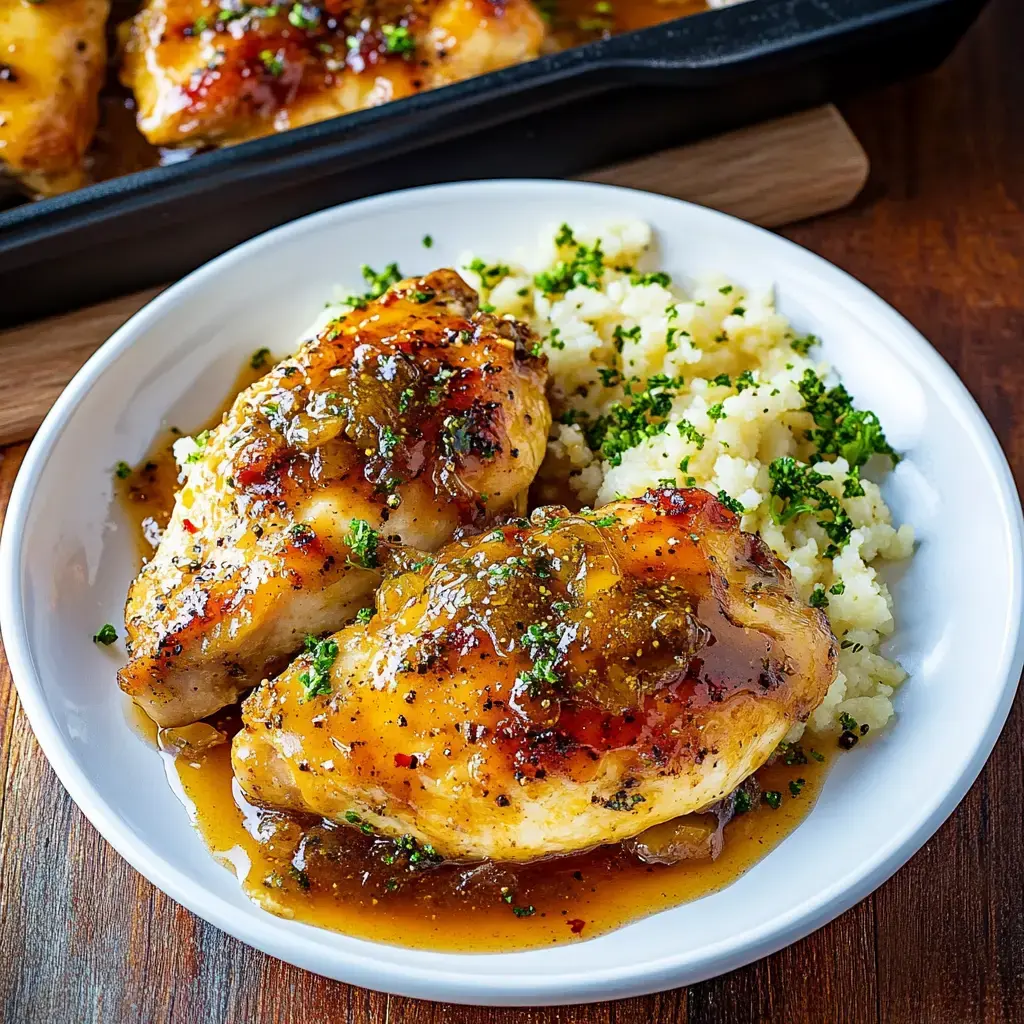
<point>714,389</point>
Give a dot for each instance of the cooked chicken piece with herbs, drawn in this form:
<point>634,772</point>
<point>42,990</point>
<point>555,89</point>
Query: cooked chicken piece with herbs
<point>214,73</point>
<point>549,686</point>
<point>52,59</point>
<point>398,423</point>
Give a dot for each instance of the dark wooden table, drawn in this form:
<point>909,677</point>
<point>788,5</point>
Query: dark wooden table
<point>939,233</point>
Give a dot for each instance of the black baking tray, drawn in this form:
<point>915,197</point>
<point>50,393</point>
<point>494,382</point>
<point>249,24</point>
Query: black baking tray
<point>553,117</point>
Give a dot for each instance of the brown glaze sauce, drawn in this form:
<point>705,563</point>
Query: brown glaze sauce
<point>574,22</point>
<point>336,877</point>
<point>333,877</point>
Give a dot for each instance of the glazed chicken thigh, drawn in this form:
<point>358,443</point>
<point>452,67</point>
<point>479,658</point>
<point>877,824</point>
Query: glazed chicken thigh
<point>398,423</point>
<point>222,72</point>
<point>52,58</point>
<point>552,685</point>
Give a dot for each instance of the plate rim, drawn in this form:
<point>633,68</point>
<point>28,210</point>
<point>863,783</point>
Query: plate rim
<point>441,982</point>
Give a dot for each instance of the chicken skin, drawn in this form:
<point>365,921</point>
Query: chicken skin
<point>214,73</point>
<point>398,423</point>
<point>549,686</point>
<point>52,60</point>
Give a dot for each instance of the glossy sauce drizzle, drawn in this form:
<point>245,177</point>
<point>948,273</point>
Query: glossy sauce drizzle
<point>334,877</point>
<point>338,878</point>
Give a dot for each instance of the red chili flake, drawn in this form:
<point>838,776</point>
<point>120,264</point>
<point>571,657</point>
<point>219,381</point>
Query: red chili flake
<point>577,924</point>
<point>189,525</point>
<point>406,761</point>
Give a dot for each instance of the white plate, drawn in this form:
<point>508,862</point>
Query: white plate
<point>67,558</point>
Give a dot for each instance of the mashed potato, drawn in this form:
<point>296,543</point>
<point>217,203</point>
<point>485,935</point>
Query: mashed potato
<point>653,387</point>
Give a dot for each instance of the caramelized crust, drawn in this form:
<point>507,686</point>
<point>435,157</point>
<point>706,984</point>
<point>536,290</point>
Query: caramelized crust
<point>52,58</point>
<point>209,73</point>
<point>397,424</point>
<point>553,685</point>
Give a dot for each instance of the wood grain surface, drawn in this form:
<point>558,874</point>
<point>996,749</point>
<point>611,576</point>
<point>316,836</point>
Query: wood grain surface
<point>814,163</point>
<point>939,233</point>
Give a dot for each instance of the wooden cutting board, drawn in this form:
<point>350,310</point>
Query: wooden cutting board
<point>770,174</point>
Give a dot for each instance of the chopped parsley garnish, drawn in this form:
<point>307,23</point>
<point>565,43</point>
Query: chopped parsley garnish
<point>541,642</point>
<point>417,855</point>
<point>605,521</point>
<point>364,615</point>
<point>745,380</point>
<point>623,801</point>
<point>272,62</point>
<point>491,275</point>
<point>201,439</point>
<point>723,380</point>
<point>797,486</point>
<point>428,242</point>
<point>316,680</point>
<point>528,911</point>
<point>302,533</point>
<point>818,598</point>
<point>422,297</point>
<point>585,266</point>
<point>259,358</point>
<point>741,802</point>
<point>773,798</point>
<point>388,442</point>
<point>397,39</point>
<point>503,571</point>
<point>792,753</point>
<point>795,785</point>
<point>441,379</point>
<point>405,399</point>
<point>629,423</point>
<point>621,335</point>
<point>837,588</point>
<point>362,540</point>
<point>726,289</point>
<point>803,345</point>
<point>731,503</point>
<point>716,412</point>
<point>122,471</point>
<point>738,311</point>
<point>377,284</point>
<point>105,635</point>
<point>656,278</point>
<point>691,433</point>
<point>305,16</point>
<point>851,731</point>
<point>460,435</point>
<point>841,430</point>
